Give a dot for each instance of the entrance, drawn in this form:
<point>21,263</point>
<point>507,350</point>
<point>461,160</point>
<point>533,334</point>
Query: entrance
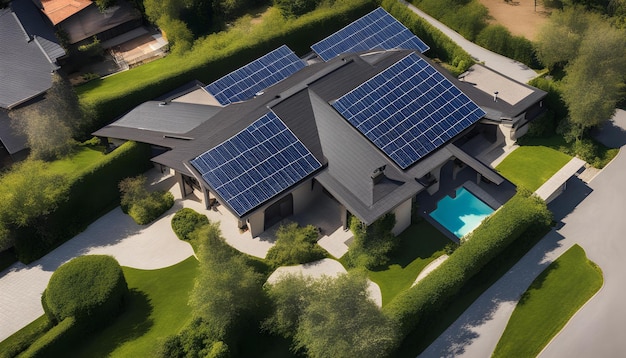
<point>278,211</point>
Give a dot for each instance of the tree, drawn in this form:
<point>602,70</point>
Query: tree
<point>331,317</point>
<point>594,80</point>
<point>559,39</point>
<point>228,293</point>
<point>28,193</point>
<point>50,125</point>
<point>105,4</point>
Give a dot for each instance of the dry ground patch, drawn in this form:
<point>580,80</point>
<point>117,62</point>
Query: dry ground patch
<point>519,16</point>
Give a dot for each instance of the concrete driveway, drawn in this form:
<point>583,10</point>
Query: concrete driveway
<point>591,216</point>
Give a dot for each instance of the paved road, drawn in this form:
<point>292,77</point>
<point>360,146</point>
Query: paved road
<point>511,68</point>
<point>145,247</point>
<point>591,216</point>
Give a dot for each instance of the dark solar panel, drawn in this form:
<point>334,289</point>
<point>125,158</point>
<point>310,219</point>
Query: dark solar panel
<point>256,164</point>
<point>408,110</point>
<point>243,83</point>
<point>376,30</point>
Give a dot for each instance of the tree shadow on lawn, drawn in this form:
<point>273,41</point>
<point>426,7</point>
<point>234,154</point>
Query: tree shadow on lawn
<point>420,240</point>
<point>133,323</point>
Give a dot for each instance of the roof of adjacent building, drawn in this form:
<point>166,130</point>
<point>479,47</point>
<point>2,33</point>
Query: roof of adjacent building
<point>60,10</point>
<point>29,54</point>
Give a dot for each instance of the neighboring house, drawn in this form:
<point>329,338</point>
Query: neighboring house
<point>81,20</point>
<point>366,119</point>
<point>29,55</point>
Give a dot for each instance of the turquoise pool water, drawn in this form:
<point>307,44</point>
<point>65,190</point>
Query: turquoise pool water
<point>462,214</point>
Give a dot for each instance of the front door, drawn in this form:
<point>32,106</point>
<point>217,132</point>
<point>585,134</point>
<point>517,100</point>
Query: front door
<point>279,210</point>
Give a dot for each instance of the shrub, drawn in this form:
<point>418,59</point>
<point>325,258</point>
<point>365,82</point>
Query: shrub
<point>186,221</point>
<point>499,39</point>
<point>92,289</point>
<point>143,206</point>
<point>371,245</point>
<point>291,8</point>
<point>415,306</point>
<point>24,338</point>
<point>295,245</point>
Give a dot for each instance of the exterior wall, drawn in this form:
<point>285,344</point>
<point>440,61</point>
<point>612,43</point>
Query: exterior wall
<point>403,217</point>
<point>303,195</point>
<point>256,223</point>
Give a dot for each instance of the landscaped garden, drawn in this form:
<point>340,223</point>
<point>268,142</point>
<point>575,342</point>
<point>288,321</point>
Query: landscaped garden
<point>549,303</point>
<point>419,245</point>
<point>531,166</point>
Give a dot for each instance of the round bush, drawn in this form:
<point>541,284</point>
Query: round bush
<point>186,221</point>
<point>91,289</point>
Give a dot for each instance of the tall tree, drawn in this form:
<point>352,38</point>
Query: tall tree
<point>50,125</point>
<point>594,80</point>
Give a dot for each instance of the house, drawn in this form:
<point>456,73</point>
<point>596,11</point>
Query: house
<point>81,20</point>
<point>366,119</point>
<point>30,54</point>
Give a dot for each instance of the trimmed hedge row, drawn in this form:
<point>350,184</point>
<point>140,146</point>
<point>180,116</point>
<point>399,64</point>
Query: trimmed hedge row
<point>24,338</point>
<point>91,195</point>
<point>415,306</point>
<point>56,342</point>
<point>441,46</point>
<point>103,106</point>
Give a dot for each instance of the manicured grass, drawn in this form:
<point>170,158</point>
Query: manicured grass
<point>531,166</point>
<point>549,303</point>
<point>157,308</point>
<point>78,162</point>
<point>420,244</point>
<point>595,153</point>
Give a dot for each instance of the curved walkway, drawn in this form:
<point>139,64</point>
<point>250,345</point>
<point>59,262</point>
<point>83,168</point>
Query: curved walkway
<point>506,66</point>
<point>145,247</point>
<point>591,216</point>
<point>324,267</point>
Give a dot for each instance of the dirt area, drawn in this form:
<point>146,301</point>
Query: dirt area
<point>519,16</point>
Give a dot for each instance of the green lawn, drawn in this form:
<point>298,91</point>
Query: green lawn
<point>420,244</point>
<point>552,299</point>
<point>78,162</point>
<point>531,166</point>
<point>157,308</point>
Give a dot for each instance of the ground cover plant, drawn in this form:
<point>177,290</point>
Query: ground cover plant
<point>549,303</point>
<point>531,166</point>
<point>419,244</point>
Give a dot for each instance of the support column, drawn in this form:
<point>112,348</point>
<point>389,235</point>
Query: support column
<point>181,184</point>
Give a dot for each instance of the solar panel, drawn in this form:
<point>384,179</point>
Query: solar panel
<point>243,83</point>
<point>376,30</point>
<point>256,164</point>
<point>408,110</point>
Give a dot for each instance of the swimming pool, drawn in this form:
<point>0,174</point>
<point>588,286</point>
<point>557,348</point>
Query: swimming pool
<point>462,214</point>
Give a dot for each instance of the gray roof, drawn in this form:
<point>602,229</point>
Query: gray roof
<point>302,103</point>
<point>29,53</point>
<point>11,140</point>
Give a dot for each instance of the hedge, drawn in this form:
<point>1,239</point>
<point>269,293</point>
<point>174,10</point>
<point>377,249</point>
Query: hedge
<point>92,194</point>
<point>423,301</point>
<point>56,342</point>
<point>104,101</point>
<point>92,289</point>
<point>441,46</point>
<point>24,338</point>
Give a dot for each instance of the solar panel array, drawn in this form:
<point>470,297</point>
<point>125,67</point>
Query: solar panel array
<point>256,164</point>
<point>376,30</point>
<point>408,110</point>
<point>243,83</point>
